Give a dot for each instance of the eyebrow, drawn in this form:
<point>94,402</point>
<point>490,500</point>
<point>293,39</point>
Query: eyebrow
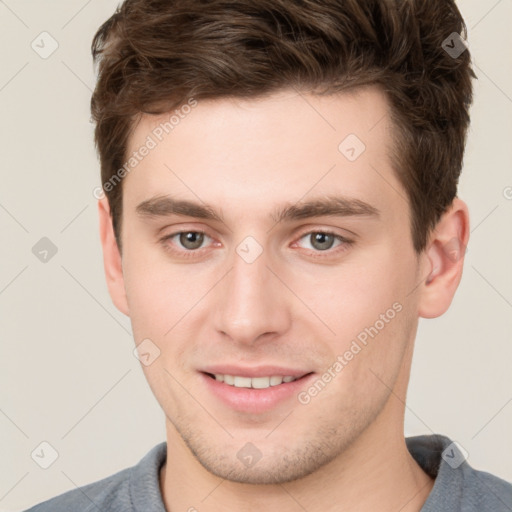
<point>333,206</point>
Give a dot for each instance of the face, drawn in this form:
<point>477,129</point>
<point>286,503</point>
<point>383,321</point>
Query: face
<point>296,262</point>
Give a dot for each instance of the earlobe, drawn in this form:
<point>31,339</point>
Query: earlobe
<point>112,260</point>
<point>444,260</point>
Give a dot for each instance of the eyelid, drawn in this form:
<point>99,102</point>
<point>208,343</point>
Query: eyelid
<point>327,230</point>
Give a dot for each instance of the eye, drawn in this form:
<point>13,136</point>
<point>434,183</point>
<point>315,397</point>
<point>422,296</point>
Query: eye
<point>323,241</point>
<point>189,240</point>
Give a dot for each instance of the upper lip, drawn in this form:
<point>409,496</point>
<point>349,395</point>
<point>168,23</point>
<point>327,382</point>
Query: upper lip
<point>257,371</point>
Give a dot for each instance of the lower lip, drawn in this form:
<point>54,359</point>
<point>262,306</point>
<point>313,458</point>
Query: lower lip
<point>252,400</point>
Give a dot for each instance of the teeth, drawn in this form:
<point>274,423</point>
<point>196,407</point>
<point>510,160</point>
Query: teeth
<point>275,381</point>
<point>242,382</point>
<point>260,382</point>
<point>255,382</point>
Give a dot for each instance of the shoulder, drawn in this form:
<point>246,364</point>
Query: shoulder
<point>483,491</point>
<point>115,493</point>
<point>457,486</point>
<point>108,492</point>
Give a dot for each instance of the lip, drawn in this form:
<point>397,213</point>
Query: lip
<point>255,401</point>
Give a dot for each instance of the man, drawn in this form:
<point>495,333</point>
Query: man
<point>278,209</point>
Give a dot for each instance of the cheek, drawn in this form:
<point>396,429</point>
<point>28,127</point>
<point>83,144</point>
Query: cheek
<point>351,297</point>
<point>364,366</point>
<point>368,308</point>
<point>159,293</point>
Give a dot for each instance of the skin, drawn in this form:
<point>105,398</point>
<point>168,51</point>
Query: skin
<point>298,304</point>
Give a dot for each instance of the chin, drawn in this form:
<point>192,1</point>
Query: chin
<point>275,469</point>
<point>263,462</point>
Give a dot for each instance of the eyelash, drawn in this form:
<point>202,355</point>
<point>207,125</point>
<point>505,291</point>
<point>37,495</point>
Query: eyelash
<point>318,254</point>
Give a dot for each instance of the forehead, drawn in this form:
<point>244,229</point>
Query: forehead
<point>307,114</point>
<point>266,150</point>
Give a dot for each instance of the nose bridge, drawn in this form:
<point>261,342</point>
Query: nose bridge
<point>251,303</point>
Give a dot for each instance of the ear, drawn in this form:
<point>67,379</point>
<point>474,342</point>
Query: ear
<point>112,261</point>
<point>443,260</point>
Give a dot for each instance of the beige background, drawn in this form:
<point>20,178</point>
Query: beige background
<point>67,372</point>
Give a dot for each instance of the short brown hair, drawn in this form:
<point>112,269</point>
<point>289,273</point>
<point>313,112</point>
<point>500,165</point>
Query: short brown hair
<point>155,54</point>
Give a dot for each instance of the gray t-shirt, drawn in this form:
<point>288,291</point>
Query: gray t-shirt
<point>457,487</point>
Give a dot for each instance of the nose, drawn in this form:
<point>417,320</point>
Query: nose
<point>252,301</point>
